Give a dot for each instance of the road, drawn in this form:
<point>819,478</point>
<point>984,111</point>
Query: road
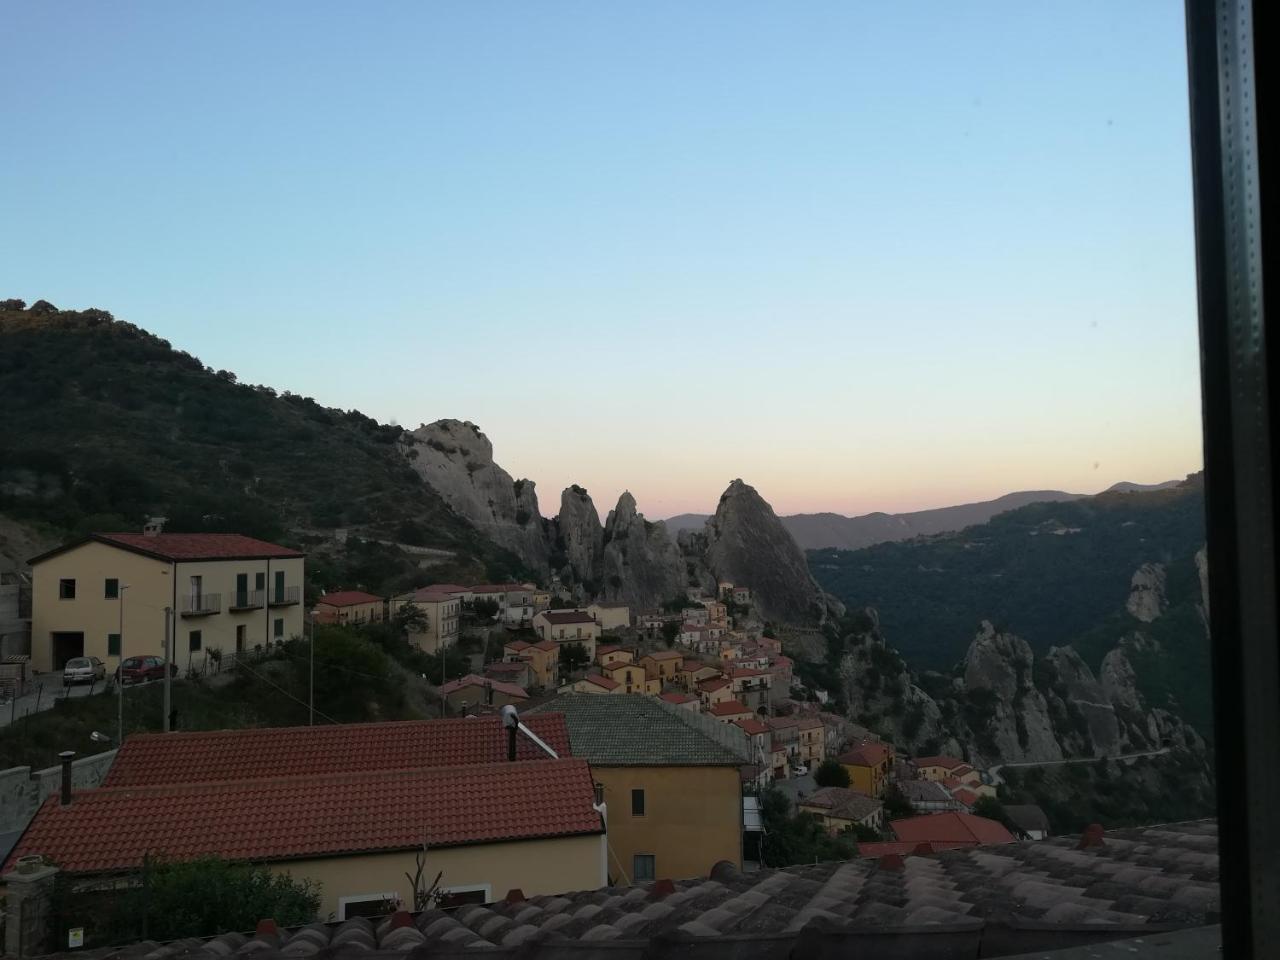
<point>45,690</point>
<point>995,771</point>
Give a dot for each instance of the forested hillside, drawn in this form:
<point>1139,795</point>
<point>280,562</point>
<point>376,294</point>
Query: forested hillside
<point>106,424</point>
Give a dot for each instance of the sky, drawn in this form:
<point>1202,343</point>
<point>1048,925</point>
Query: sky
<point>864,256</point>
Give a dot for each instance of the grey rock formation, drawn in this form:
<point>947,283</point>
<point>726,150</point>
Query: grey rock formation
<point>1147,600</point>
<point>1119,682</point>
<point>1017,723</point>
<point>748,545</point>
<point>581,538</point>
<point>641,564</point>
<point>1084,708</point>
<point>456,460</point>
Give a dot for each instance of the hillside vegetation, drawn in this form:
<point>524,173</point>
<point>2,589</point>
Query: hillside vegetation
<point>107,424</point>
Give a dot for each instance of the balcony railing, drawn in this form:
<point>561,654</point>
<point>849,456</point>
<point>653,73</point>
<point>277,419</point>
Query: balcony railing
<point>286,597</point>
<point>200,604</point>
<point>247,600</point>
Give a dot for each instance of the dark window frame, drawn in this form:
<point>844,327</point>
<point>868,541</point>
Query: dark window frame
<point>651,861</point>
<point>66,588</point>
<point>637,808</point>
<point>111,588</point>
<point>195,640</point>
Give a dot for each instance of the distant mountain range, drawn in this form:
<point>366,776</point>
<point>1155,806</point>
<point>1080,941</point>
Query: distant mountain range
<point>821,531</point>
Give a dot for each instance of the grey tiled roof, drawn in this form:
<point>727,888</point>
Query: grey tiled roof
<point>976,902</point>
<point>635,730</point>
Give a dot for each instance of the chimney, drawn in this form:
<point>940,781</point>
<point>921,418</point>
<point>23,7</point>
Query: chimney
<point>1092,837</point>
<point>65,757</point>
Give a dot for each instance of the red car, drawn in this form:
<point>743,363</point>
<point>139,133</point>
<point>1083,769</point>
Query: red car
<point>138,669</point>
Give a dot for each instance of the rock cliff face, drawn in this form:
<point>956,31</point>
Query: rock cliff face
<point>641,564</point>
<point>1013,717</point>
<point>456,460</point>
<point>580,539</point>
<point>1081,711</point>
<point>1147,599</point>
<point>747,544</point>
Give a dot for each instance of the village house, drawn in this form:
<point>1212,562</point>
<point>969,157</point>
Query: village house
<point>515,672</point>
<point>939,767</point>
<point>950,831</point>
<point>568,626</point>
<point>750,686</point>
<point>543,658</point>
<point>695,615</point>
<point>714,690</point>
<point>684,700</point>
<point>592,683</point>
<point>663,666</point>
<point>229,592</point>
<point>842,809</point>
<point>476,691</point>
<point>610,614</point>
<point>741,596</point>
<point>669,778</point>
<point>730,710</point>
<point>868,765</point>
<point>287,798</point>
<point>694,671</point>
<point>761,746</point>
<point>811,738</point>
<point>514,600</point>
<point>781,668</point>
<point>439,611</point>
<point>631,677</point>
<point>608,656</point>
<point>717,612</point>
<point>1030,820</point>
<point>927,796</point>
<point>350,608</point>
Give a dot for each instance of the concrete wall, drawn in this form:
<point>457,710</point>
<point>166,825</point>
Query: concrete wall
<point>22,792</point>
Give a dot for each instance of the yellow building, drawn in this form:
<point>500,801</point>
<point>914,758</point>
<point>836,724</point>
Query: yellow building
<point>670,782</point>
<point>593,684</point>
<point>713,691</point>
<point>868,766</point>
<point>663,666</point>
<point>473,691</point>
<point>298,809</point>
<point>568,626</point>
<point>811,742</point>
<point>350,608</point>
<point>940,767</point>
<point>440,610</point>
<point>692,672</point>
<point>105,595</point>
<point>608,656</point>
<point>631,678</point>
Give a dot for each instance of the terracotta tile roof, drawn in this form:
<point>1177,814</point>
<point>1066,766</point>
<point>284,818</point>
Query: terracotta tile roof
<point>517,645</point>
<point>558,617</point>
<point>677,698</point>
<point>665,655</point>
<point>865,755</point>
<point>432,595</point>
<point>711,684</point>
<point>498,588</point>
<point>783,723</point>
<point>966,796</point>
<point>303,817</point>
<point>606,650</point>
<point>347,598</point>
<point>962,770</point>
<point>842,803</point>
<point>942,760</point>
<point>751,726</point>
<point>810,723</point>
<point>728,708</point>
<point>606,683</point>
<point>950,828</point>
<point>184,546</point>
<point>738,672</point>
<point>269,752</point>
<point>472,680</point>
<point>546,645</point>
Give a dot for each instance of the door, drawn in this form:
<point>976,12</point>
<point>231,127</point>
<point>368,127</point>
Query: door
<point>279,586</point>
<point>65,646</point>
<point>242,590</point>
<point>197,600</point>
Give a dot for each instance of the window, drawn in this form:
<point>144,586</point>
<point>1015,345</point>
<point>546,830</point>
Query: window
<point>113,644</point>
<point>475,893</point>
<point>259,581</point>
<point>279,585</point>
<point>193,640</point>
<point>637,803</point>
<point>277,630</point>
<point>367,905</point>
<point>111,588</point>
<point>66,589</point>
<point>643,866</point>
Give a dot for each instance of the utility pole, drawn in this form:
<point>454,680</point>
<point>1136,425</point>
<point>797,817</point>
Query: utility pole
<point>120,673</point>
<point>311,694</point>
<point>168,621</point>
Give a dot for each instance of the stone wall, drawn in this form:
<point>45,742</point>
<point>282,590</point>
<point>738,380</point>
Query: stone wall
<point>22,792</point>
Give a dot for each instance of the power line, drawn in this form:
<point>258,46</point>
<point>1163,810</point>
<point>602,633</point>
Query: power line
<point>282,690</point>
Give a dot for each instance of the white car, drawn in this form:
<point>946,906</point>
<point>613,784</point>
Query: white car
<point>83,670</point>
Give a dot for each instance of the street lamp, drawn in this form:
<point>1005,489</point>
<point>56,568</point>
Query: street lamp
<point>311,695</point>
<point>120,667</point>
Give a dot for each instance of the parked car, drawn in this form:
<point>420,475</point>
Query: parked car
<point>83,670</point>
<point>138,669</point>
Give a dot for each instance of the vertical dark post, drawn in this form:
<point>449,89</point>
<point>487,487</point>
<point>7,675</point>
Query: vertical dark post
<point>65,757</point>
<point>146,891</point>
<point>511,743</point>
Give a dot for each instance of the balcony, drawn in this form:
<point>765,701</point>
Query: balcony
<point>246,600</point>
<point>286,597</point>
<point>200,604</point>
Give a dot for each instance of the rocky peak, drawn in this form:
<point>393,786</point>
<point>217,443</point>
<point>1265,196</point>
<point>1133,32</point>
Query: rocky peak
<point>1009,716</point>
<point>641,564</point>
<point>1147,599</point>
<point>747,544</point>
<point>581,537</point>
<point>1084,717</point>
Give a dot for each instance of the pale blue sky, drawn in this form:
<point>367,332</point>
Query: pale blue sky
<point>862,255</point>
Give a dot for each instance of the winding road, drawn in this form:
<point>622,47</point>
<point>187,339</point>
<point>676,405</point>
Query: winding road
<point>997,779</point>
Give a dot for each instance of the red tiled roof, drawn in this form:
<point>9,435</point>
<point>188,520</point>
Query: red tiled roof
<point>676,698</point>
<point>269,752</point>
<point>942,760</point>
<point>347,598</point>
<point>185,546</point>
<point>545,645</point>
<point>751,726</point>
<point>471,680</point>
<point>809,723</point>
<point>712,683</point>
<point>665,655</point>
<point>865,755</point>
<point>605,650</point>
<point>962,770</point>
<point>904,848</point>
<point>747,672</point>
<point>499,588</point>
<point>601,681</point>
<point>433,595</point>
<point>727,708</point>
<point>966,796</point>
<point>291,818</point>
<point>959,828</point>
<point>566,616</point>
<point>783,723</point>
<point>517,645</point>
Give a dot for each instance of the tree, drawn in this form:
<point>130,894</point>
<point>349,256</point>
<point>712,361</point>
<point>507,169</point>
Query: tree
<point>831,774</point>
<point>485,609</point>
<point>896,805</point>
<point>573,656</point>
<point>802,838</point>
<point>993,809</point>
<point>410,618</point>
<point>670,631</point>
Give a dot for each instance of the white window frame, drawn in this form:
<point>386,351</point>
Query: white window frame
<point>392,897</point>
<point>471,888</point>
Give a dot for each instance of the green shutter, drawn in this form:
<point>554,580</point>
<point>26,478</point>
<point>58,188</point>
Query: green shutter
<point>113,644</point>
